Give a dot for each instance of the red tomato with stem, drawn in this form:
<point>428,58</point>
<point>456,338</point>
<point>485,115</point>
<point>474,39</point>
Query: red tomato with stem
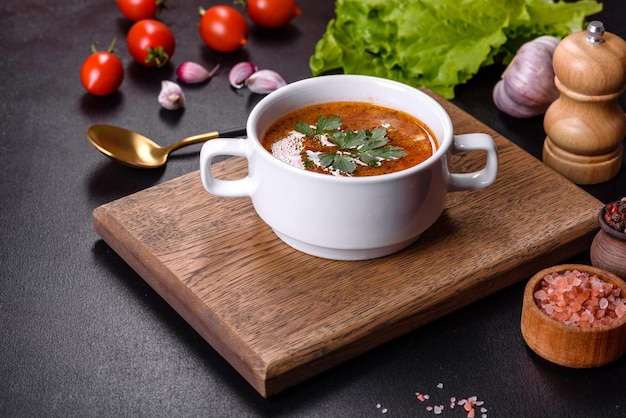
<point>150,43</point>
<point>102,72</point>
<point>272,13</point>
<point>140,9</point>
<point>223,28</point>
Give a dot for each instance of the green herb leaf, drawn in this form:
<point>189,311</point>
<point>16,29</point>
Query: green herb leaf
<point>307,163</point>
<point>327,159</point>
<point>379,133</point>
<point>327,124</point>
<point>369,159</point>
<point>304,128</point>
<point>344,163</point>
<point>349,139</point>
<point>385,153</point>
<point>372,144</point>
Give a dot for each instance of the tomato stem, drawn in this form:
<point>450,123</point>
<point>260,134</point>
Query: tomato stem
<point>112,46</point>
<point>157,55</point>
<point>160,5</point>
<point>110,49</point>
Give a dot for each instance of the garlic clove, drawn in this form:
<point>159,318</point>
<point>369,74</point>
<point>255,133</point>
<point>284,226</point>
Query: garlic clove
<point>191,72</point>
<point>265,81</point>
<point>240,73</point>
<point>171,96</point>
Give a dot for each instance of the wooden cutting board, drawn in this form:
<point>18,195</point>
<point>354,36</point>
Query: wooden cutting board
<point>279,316</point>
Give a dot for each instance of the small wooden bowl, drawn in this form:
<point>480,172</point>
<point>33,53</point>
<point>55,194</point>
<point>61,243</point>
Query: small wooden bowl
<point>569,345</point>
<point>608,248</point>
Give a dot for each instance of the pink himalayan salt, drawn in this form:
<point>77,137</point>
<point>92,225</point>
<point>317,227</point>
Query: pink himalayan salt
<point>579,299</point>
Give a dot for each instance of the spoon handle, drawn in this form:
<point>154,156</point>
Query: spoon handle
<point>196,139</point>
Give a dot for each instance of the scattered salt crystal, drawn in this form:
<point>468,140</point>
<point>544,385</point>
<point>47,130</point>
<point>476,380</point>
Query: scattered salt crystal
<point>469,404</point>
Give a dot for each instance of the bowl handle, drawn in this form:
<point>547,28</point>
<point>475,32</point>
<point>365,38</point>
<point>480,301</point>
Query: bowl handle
<point>238,147</point>
<point>477,179</point>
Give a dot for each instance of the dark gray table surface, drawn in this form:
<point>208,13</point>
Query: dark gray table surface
<point>83,335</point>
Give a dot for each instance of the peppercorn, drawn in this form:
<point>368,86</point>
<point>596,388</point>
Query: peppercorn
<point>615,215</point>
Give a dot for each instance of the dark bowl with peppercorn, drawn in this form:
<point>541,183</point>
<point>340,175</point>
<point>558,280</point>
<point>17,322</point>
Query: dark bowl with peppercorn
<point>608,249</point>
<point>612,219</point>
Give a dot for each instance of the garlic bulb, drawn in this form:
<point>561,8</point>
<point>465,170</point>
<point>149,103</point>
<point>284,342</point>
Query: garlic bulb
<point>527,86</point>
<point>171,95</point>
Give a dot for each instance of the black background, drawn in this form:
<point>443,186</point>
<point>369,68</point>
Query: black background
<point>83,335</point>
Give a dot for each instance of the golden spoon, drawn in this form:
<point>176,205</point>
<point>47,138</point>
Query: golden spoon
<point>136,150</point>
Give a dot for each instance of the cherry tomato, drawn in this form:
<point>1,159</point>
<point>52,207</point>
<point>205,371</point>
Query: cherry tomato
<point>151,43</point>
<point>272,13</point>
<point>140,9</point>
<point>223,28</point>
<point>102,72</point>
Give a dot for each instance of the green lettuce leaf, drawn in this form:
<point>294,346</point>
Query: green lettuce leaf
<point>438,44</point>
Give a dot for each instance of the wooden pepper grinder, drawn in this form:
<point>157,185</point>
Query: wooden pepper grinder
<point>586,126</point>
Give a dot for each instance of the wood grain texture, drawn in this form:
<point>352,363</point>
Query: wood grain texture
<point>279,316</point>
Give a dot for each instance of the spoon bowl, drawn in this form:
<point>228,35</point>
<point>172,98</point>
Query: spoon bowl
<point>136,150</point>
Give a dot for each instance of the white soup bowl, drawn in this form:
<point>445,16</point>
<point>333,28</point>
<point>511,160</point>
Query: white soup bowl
<point>348,218</point>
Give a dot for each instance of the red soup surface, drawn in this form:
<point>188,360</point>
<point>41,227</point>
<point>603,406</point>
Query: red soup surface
<point>352,139</point>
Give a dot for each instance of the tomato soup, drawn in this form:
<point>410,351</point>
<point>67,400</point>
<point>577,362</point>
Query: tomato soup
<point>365,138</point>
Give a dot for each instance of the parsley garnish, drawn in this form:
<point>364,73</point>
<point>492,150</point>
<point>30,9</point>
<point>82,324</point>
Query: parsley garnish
<point>324,126</point>
<point>354,147</point>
